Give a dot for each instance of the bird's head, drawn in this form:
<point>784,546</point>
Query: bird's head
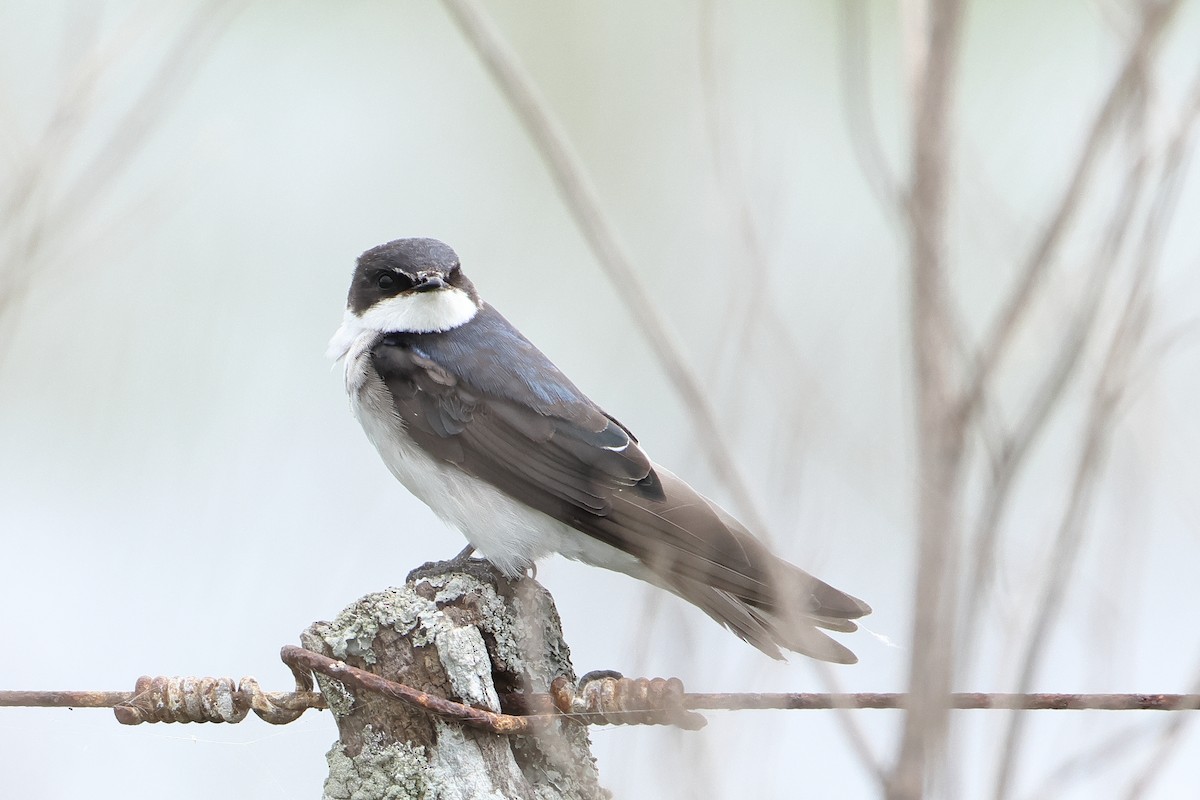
<point>406,286</point>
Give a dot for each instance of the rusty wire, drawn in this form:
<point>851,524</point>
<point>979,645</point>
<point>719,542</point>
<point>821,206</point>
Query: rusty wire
<point>619,703</point>
<point>599,699</point>
<point>181,699</point>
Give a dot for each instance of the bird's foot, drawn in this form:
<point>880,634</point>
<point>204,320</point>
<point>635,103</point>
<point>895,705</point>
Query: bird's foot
<point>479,567</point>
<point>464,555</point>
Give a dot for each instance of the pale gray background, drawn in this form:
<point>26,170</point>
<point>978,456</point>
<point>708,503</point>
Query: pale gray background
<point>182,488</point>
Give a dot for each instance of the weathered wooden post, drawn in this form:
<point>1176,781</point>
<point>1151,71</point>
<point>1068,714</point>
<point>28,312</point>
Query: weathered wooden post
<point>466,633</point>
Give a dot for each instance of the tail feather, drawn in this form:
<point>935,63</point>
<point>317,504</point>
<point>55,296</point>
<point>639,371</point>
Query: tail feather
<point>691,546</point>
<point>770,603</point>
<point>764,629</point>
<point>831,624</point>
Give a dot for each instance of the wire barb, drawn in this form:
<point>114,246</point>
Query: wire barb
<point>187,699</point>
<point>609,698</point>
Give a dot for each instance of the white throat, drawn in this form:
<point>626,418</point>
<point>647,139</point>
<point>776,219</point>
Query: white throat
<point>422,312</point>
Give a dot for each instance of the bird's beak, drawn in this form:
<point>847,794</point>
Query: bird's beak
<point>429,281</point>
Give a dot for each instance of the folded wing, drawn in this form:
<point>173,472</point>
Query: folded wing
<point>551,448</point>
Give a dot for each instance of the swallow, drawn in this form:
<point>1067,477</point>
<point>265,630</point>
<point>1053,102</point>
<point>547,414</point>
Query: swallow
<point>484,429</point>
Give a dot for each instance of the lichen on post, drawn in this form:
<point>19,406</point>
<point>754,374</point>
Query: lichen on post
<point>464,632</point>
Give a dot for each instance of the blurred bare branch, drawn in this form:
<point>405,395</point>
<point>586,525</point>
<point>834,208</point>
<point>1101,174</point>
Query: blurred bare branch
<point>184,56</point>
<point>932,65</point>
<point>1105,754</point>
<point>1153,355</point>
<point>851,729</point>
<point>751,309</point>
<point>1153,22</point>
<point>41,212</point>
<point>1106,400</point>
<point>752,318</point>
<point>583,202</point>
<point>755,320</point>
<point>1017,441</point>
<point>855,31</point>
<point>951,411</point>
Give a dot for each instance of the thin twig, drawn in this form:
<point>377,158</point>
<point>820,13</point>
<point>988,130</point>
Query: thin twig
<point>1178,156</point>
<point>854,34</point>
<point>1017,443</point>
<point>583,202</point>
<point>184,57</point>
<point>1106,754</point>
<point>933,59</point>
<point>752,318</point>
<point>1107,395</point>
<point>1154,21</point>
<point>34,207</point>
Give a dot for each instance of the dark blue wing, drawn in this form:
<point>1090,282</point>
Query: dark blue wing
<point>483,397</point>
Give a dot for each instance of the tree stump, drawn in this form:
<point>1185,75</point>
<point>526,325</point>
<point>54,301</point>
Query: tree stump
<point>466,633</point>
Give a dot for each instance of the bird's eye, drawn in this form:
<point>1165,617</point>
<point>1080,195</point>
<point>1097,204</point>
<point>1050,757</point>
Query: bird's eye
<point>388,281</point>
